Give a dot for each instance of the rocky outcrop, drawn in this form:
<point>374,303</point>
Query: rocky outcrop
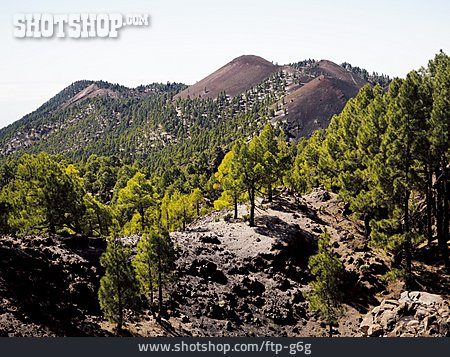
<point>48,286</point>
<point>416,313</point>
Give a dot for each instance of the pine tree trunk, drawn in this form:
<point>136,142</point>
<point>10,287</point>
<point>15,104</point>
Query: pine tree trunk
<point>119,298</point>
<point>445,236</point>
<point>442,217</point>
<point>150,275</point>
<point>270,193</point>
<point>235,207</point>
<point>367,229</point>
<point>120,310</point>
<point>407,243</point>
<point>159,285</point>
<point>442,213</point>
<point>100,224</point>
<point>252,206</point>
<point>106,228</point>
<point>429,202</point>
<point>143,223</point>
<point>330,333</point>
<point>91,230</point>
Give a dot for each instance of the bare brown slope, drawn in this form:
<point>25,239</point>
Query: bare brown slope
<point>330,69</point>
<point>311,106</point>
<point>235,77</point>
<point>91,91</point>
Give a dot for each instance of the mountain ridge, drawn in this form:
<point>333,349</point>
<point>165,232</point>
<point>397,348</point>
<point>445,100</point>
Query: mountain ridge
<point>97,117</point>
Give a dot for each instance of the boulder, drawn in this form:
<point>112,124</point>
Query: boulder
<point>297,297</point>
<point>217,310</point>
<point>416,313</point>
<point>210,239</point>
<point>366,323</point>
<point>421,297</point>
<point>253,285</point>
<point>375,330</point>
<point>207,270</point>
<point>388,319</point>
<point>284,284</point>
<point>320,194</point>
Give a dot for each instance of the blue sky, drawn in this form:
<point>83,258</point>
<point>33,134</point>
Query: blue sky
<point>189,39</point>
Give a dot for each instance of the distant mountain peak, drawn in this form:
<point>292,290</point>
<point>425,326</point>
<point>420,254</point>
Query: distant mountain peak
<point>251,59</point>
<point>92,90</point>
<point>237,76</point>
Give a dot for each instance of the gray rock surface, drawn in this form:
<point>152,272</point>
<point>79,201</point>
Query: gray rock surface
<point>415,313</point>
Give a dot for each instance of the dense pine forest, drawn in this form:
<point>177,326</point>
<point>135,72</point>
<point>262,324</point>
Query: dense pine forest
<point>386,155</point>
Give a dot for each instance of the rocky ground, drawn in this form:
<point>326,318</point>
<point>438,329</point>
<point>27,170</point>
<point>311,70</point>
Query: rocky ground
<point>415,313</point>
<point>48,286</point>
<point>231,280</point>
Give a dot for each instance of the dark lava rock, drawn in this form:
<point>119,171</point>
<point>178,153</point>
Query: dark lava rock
<point>217,310</point>
<point>51,286</point>
<point>284,316</point>
<point>284,285</point>
<point>237,269</point>
<point>207,270</point>
<point>211,239</point>
<point>259,301</point>
<point>253,285</point>
<point>298,297</point>
<point>239,290</point>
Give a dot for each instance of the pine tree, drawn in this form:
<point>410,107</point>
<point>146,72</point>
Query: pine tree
<point>44,196</point>
<point>145,265</point>
<point>118,287</point>
<point>99,176</point>
<point>439,146</point>
<point>137,196</point>
<point>249,163</point>
<point>196,198</point>
<point>269,149</point>
<point>403,146</point>
<point>306,171</point>
<point>325,295</point>
<point>4,212</point>
<point>181,211</point>
<point>229,181</point>
<point>154,263</point>
<point>363,198</point>
<point>98,218</point>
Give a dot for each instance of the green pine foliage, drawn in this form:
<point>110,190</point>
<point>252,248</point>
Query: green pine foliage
<point>133,202</point>
<point>41,195</point>
<point>325,295</point>
<point>384,154</point>
<point>118,287</point>
<point>373,78</point>
<point>145,265</point>
<point>228,180</point>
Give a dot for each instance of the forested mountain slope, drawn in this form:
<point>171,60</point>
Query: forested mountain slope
<point>154,122</point>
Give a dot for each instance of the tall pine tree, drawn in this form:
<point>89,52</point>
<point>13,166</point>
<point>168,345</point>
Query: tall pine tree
<point>325,295</point>
<point>118,288</point>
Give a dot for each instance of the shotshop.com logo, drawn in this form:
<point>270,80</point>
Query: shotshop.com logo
<point>74,25</point>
